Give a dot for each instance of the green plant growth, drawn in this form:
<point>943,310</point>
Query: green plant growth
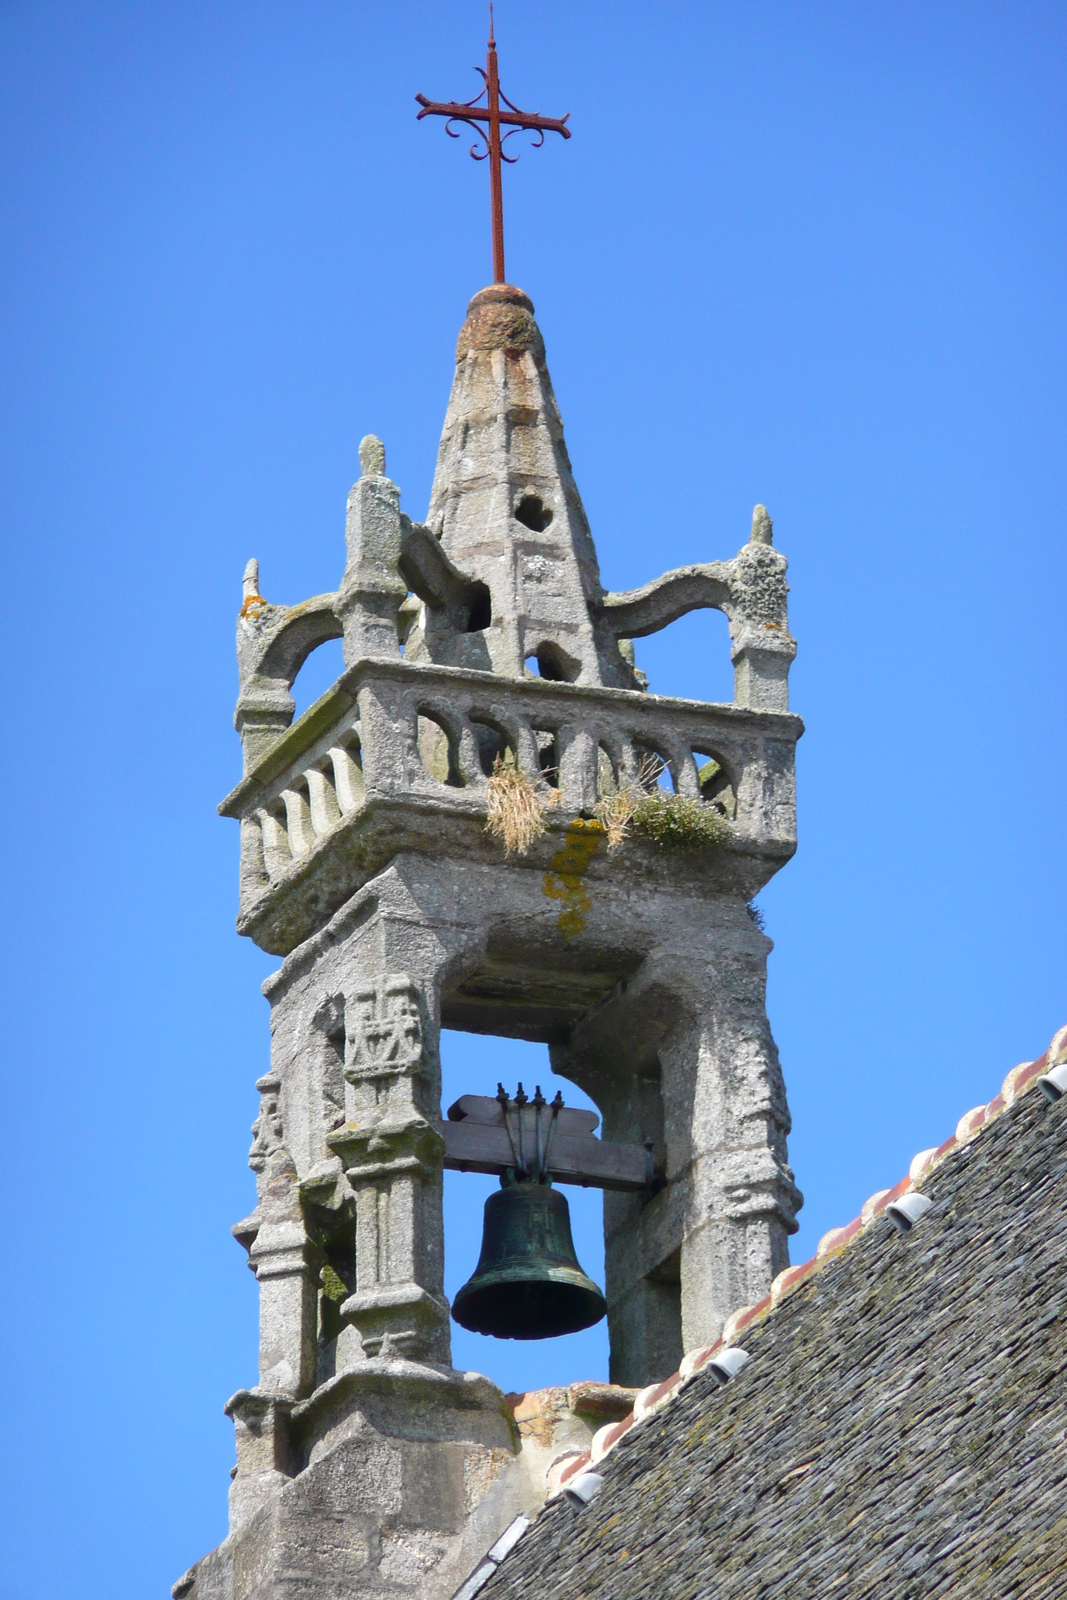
<point>673,821</point>
<point>333,1285</point>
<point>677,822</point>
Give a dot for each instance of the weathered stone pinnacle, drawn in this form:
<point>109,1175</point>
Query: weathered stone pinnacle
<point>762,526</point>
<point>372,456</point>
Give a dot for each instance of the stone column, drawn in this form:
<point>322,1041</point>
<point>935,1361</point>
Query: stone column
<point>685,1056</point>
<point>287,1263</point>
<point>727,1120</point>
<point>392,1155</point>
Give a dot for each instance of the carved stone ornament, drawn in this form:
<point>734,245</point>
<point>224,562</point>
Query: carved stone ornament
<point>383,1030</point>
<point>267,1130</point>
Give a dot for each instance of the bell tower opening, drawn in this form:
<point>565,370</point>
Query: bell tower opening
<point>474,1064</point>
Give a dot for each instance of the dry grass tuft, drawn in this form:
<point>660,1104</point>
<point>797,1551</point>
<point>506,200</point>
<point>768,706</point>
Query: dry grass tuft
<point>516,807</point>
<point>616,806</point>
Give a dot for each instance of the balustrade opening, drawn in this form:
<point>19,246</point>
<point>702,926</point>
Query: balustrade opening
<point>716,786</point>
<point>438,750</point>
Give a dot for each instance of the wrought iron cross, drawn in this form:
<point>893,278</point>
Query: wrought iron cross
<point>470,112</point>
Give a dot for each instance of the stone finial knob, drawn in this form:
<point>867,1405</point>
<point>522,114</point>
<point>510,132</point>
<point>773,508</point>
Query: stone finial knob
<point>372,457</point>
<point>762,526</point>
<point>250,582</point>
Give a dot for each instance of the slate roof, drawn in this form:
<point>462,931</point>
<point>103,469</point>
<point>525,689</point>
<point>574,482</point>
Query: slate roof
<point>900,1429</point>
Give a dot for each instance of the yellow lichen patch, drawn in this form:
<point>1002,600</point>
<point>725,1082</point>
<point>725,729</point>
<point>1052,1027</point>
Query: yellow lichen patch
<point>563,880</point>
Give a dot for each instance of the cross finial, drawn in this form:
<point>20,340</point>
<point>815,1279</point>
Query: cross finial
<point>470,112</point>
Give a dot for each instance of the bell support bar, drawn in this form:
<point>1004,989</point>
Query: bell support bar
<point>477,1140</point>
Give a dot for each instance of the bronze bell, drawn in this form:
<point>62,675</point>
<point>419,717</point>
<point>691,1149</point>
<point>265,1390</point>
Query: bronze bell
<point>528,1283</point>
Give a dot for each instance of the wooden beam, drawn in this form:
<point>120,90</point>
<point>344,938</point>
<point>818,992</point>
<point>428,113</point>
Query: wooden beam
<point>572,1157</point>
<point>480,1108</point>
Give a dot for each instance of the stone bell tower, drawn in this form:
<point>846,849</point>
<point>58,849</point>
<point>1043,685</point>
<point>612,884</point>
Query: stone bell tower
<point>481,640</point>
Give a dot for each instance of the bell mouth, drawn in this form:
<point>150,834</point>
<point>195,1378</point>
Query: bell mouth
<point>561,1302</point>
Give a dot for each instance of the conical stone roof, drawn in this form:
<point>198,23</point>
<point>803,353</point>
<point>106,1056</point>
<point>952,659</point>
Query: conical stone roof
<point>506,508</point>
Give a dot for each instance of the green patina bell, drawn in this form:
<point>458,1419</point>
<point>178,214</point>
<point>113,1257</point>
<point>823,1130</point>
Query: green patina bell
<point>528,1284</point>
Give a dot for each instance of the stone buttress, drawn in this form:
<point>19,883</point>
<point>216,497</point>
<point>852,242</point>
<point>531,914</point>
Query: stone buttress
<point>365,1461</point>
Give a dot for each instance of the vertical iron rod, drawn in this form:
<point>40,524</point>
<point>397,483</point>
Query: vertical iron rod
<point>496,187</point>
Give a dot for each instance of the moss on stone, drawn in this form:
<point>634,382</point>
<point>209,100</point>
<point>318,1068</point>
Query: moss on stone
<point>333,1287</point>
<point>677,822</point>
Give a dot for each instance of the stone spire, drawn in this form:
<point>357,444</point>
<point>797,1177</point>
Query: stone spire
<point>507,510</point>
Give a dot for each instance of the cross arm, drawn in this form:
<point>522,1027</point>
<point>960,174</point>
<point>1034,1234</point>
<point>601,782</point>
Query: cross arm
<point>467,113</point>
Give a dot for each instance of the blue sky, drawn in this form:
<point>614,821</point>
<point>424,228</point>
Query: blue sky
<point>806,254</point>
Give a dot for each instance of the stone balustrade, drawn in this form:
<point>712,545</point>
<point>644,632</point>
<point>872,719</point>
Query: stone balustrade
<point>395,751</point>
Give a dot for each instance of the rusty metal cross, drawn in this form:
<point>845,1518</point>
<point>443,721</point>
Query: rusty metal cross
<point>470,112</point>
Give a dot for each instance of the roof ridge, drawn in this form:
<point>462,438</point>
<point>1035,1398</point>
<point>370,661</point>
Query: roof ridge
<point>1019,1080</point>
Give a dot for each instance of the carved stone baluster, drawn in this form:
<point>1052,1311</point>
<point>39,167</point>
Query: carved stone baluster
<point>325,810</point>
<point>347,779</point>
<point>298,819</point>
<point>526,751</point>
<point>389,742</point>
<point>627,763</point>
<point>578,767</point>
<point>468,758</point>
<point>277,855</point>
<point>519,735</point>
<point>254,873</point>
<point>684,768</point>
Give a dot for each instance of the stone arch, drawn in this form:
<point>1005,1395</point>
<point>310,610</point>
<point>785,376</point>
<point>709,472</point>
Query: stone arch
<point>289,646</point>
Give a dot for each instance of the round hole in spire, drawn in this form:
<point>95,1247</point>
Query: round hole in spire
<point>532,512</point>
